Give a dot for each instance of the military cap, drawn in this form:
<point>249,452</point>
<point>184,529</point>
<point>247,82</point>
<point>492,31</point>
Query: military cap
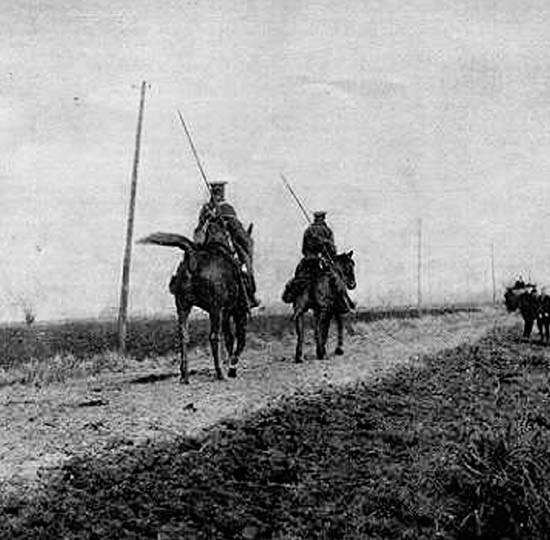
<point>217,187</point>
<point>319,214</point>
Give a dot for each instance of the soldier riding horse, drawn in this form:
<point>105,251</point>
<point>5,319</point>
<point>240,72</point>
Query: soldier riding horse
<point>215,275</point>
<point>320,283</point>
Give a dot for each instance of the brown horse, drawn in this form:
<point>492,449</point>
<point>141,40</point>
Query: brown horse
<point>208,278</point>
<point>321,296</point>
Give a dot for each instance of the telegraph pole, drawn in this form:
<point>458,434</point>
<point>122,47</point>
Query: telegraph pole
<point>493,273</point>
<point>123,307</point>
<point>419,267</point>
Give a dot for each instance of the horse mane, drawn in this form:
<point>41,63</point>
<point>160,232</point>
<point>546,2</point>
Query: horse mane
<point>170,240</point>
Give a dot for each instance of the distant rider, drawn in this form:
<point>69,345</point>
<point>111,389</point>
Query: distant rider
<point>319,252</point>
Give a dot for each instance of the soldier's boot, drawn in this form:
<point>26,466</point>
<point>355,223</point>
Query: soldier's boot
<point>345,303</point>
<point>247,272</point>
<point>250,287</point>
<point>351,304</point>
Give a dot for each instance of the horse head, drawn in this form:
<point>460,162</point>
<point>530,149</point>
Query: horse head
<point>511,299</point>
<point>346,265</point>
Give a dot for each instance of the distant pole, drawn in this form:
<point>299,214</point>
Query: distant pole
<point>123,307</point>
<point>419,266</point>
<point>493,273</point>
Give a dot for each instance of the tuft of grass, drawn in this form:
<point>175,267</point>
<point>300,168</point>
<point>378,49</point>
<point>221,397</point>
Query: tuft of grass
<point>61,368</point>
<point>501,482</point>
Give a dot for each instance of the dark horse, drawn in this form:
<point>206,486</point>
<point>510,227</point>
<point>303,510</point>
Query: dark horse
<point>208,278</point>
<point>532,307</point>
<point>320,296</point>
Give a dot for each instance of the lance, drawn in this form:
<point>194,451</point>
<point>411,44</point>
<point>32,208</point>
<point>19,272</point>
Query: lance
<point>298,202</point>
<point>207,184</point>
<point>306,215</point>
<point>195,153</point>
<point>216,205</point>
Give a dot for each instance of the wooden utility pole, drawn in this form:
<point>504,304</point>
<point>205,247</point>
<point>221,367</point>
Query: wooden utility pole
<point>493,273</point>
<point>419,266</point>
<point>123,307</point>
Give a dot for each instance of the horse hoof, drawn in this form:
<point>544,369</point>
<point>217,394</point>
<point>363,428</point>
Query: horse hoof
<point>298,360</point>
<point>183,380</point>
<point>219,376</point>
<point>339,351</point>
<point>232,372</point>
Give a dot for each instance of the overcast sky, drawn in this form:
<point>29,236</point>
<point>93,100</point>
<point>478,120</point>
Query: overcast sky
<point>380,112</point>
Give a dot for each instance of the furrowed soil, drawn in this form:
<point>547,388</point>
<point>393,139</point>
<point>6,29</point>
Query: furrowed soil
<point>427,428</point>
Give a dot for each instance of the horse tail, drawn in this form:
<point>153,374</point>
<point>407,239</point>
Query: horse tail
<point>170,240</point>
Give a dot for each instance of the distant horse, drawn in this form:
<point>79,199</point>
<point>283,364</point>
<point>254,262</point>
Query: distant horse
<point>209,279</point>
<point>321,296</point>
<point>532,307</point>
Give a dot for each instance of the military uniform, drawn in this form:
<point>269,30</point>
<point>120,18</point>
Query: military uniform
<point>318,240</point>
<point>219,225</point>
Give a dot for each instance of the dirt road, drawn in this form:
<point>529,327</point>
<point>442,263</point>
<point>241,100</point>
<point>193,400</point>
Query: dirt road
<point>41,427</point>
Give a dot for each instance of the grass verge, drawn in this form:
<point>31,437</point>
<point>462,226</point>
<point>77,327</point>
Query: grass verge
<point>149,337</point>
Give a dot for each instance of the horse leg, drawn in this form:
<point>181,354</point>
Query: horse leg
<point>228,336</point>
<point>325,327</point>
<point>183,315</point>
<point>340,328</point>
<point>215,321</point>
<point>319,322</point>
<point>299,325</point>
<point>241,321</point>
<point>300,307</point>
<point>528,327</point>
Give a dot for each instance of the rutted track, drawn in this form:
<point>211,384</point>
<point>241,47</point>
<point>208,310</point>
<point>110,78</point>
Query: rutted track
<point>44,426</point>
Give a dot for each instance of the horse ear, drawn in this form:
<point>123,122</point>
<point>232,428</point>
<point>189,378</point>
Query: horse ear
<point>249,230</point>
<point>350,254</point>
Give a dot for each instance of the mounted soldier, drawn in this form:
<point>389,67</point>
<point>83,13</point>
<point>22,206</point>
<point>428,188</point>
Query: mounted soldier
<point>219,226</point>
<point>319,252</point>
<point>215,275</point>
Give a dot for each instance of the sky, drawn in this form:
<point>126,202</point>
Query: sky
<point>382,113</point>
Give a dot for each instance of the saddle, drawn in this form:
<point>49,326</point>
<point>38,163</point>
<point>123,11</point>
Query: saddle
<point>189,264</point>
<point>217,248</point>
<point>307,271</point>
